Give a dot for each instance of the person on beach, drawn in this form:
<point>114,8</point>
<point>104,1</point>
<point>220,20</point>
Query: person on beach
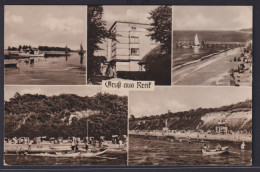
<point>76,145</point>
<point>205,147</point>
<point>120,143</point>
<point>29,145</point>
<point>218,147</point>
<point>86,146</point>
<point>100,143</point>
<point>243,146</point>
<point>72,145</point>
<point>125,144</point>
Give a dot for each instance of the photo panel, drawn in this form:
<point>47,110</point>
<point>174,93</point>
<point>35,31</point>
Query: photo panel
<point>191,126</point>
<point>45,44</point>
<point>65,125</point>
<point>212,45</point>
<point>129,42</point>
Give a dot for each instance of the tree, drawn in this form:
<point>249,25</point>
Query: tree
<point>161,26</point>
<point>158,61</point>
<point>158,66</point>
<point>96,32</point>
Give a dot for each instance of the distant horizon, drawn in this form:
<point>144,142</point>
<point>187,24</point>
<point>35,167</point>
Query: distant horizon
<point>44,46</point>
<point>208,29</point>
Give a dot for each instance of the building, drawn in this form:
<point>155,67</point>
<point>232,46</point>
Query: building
<point>132,44</point>
<point>166,126</point>
<point>221,127</point>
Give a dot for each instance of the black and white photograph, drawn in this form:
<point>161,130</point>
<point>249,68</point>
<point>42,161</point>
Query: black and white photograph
<point>65,125</point>
<point>212,45</point>
<point>201,126</point>
<point>130,43</point>
<point>45,45</point>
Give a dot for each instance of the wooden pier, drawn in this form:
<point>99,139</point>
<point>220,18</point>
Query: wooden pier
<point>210,44</point>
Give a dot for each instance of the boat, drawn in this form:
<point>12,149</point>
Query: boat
<point>196,40</point>
<point>93,153</point>
<point>69,154</point>
<point>58,154</point>
<point>12,63</point>
<point>187,46</point>
<point>17,55</point>
<point>5,163</point>
<point>215,151</point>
<point>37,54</point>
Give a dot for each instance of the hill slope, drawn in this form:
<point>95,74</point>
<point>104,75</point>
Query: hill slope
<point>65,115</point>
<point>236,116</point>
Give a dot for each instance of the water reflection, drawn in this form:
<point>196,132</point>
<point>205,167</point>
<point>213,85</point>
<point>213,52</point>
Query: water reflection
<point>63,70</point>
<point>143,151</point>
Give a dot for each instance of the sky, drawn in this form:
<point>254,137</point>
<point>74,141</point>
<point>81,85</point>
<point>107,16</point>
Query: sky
<point>177,99</point>
<point>128,13</point>
<point>56,90</point>
<point>48,25</point>
<point>212,17</point>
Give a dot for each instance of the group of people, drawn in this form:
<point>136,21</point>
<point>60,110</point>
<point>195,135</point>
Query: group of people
<point>94,143</point>
<point>219,147</point>
<point>244,65</point>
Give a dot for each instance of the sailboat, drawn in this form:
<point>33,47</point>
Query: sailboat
<point>196,41</point>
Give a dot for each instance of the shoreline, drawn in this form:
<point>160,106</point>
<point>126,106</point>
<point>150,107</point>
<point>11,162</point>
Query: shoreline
<point>198,60</point>
<point>236,137</point>
<point>47,147</point>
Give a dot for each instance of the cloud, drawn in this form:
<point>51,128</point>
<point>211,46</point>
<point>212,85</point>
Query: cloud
<point>127,13</point>
<point>68,25</point>
<point>12,18</point>
<point>194,22</point>
<point>212,17</point>
<point>143,108</point>
<point>244,20</point>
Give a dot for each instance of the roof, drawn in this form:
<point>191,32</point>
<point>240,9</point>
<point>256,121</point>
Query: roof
<point>126,22</point>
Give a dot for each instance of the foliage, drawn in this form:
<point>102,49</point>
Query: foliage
<point>161,26</point>
<point>38,115</point>
<point>158,66</point>
<point>186,120</point>
<point>96,33</point>
<point>47,48</point>
<point>158,61</point>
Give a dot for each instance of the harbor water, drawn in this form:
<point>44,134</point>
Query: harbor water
<point>153,151</point>
<point>60,70</point>
<point>108,158</point>
<point>183,55</point>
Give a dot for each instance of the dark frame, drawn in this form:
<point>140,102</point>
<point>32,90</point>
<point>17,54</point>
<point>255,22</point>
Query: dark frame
<point>255,87</point>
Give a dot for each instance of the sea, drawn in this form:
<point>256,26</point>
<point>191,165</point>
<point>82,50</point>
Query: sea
<point>183,55</point>
<point>165,152</point>
<point>108,158</point>
<point>49,71</point>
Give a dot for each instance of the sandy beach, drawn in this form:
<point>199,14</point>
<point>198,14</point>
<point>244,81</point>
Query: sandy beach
<point>214,70</point>
<point>236,137</point>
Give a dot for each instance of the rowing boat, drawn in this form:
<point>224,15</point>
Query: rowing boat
<point>215,151</point>
<point>66,154</point>
<point>92,154</point>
